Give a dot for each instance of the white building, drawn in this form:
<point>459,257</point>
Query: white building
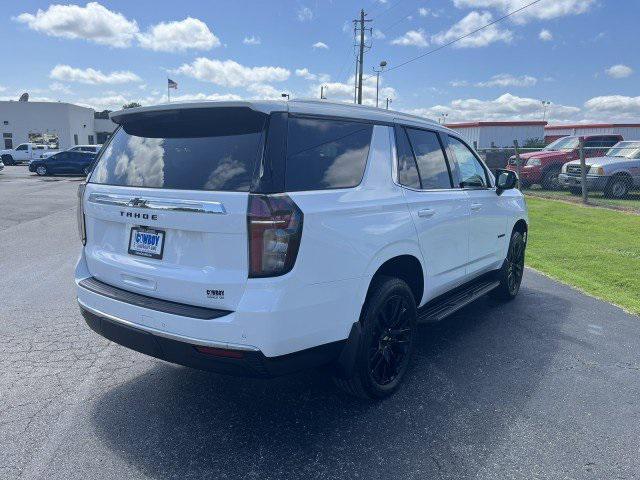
<point>58,123</point>
<point>629,131</point>
<point>499,134</point>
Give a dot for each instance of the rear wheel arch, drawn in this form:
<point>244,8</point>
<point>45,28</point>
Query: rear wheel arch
<point>406,267</point>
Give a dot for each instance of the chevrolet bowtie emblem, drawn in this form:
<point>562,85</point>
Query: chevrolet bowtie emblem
<point>137,202</point>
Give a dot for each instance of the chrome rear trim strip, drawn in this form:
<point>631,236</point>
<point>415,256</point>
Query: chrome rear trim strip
<point>172,205</point>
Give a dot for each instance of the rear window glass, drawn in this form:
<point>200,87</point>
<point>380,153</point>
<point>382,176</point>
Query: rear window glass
<point>324,154</point>
<point>196,149</point>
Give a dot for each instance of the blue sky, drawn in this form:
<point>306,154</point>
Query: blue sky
<point>581,55</point>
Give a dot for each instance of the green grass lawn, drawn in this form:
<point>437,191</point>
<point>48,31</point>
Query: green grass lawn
<point>631,203</point>
<point>594,249</point>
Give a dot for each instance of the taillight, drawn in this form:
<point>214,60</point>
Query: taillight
<point>274,225</point>
<point>80,214</point>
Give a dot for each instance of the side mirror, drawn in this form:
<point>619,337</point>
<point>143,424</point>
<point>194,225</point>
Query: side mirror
<point>506,180</point>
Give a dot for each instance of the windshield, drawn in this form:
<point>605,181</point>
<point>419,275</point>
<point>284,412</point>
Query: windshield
<point>564,143</point>
<point>625,150</point>
<point>195,149</point>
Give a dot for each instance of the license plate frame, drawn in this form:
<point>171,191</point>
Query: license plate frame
<point>155,254</point>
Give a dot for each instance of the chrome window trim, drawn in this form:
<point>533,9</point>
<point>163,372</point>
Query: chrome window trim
<point>154,203</point>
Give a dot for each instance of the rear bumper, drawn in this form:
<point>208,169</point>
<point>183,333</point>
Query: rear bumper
<point>230,361</point>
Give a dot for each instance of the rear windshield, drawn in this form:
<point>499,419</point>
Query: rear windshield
<point>194,149</point>
<point>325,153</point>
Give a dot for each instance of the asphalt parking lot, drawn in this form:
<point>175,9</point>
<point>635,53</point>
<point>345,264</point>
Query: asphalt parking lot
<point>544,387</point>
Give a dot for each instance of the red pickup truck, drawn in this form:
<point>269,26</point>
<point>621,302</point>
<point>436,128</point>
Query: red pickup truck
<point>543,167</point>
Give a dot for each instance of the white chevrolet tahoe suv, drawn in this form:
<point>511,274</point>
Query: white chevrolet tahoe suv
<point>261,238</point>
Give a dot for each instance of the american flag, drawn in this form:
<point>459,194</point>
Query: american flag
<point>171,84</point>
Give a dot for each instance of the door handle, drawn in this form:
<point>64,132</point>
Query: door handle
<point>475,207</point>
<point>426,213</point>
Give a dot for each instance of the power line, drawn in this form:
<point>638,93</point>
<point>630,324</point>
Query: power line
<point>388,9</point>
<point>463,36</point>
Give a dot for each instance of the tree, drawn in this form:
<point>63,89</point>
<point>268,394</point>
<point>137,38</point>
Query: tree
<point>534,143</point>
<point>131,105</point>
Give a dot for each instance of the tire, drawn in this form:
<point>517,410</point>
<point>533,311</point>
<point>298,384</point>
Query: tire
<point>8,160</point>
<point>550,180</point>
<point>385,349</point>
<point>575,191</point>
<point>618,187</point>
<point>41,170</point>
<point>512,270</point>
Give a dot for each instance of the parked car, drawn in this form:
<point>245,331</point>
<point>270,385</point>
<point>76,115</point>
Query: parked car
<point>543,167</point>
<point>261,238</point>
<point>78,148</point>
<point>615,173</point>
<point>1,165</point>
<point>23,153</point>
<point>74,163</point>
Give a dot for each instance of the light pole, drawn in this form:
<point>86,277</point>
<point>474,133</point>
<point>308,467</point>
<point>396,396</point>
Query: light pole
<point>388,102</point>
<point>382,65</point>
<point>323,88</point>
<point>443,118</point>
<point>545,104</point>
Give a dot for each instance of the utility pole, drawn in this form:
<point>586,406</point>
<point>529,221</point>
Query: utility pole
<point>360,63</point>
<point>322,97</point>
<point>388,102</point>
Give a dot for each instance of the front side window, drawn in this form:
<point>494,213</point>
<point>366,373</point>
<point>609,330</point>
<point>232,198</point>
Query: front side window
<point>22,147</point>
<point>194,149</point>
<point>472,173</point>
<point>432,164</point>
<point>325,153</point>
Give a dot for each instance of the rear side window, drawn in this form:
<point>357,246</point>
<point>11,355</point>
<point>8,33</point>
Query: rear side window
<point>194,149</point>
<point>432,164</point>
<point>407,169</point>
<point>324,154</point>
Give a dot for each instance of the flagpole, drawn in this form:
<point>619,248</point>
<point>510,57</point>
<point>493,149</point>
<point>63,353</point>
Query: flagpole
<point>168,92</point>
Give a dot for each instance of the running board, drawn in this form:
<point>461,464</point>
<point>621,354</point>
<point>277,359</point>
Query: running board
<point>440,308</point>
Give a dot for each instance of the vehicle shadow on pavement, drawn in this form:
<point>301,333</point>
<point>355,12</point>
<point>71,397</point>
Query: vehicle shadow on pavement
<point>472,375</point>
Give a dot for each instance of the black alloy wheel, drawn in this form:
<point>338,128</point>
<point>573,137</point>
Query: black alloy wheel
<point>391,341</point>
<point>512,271</point>
<point>515,265</point>
<point>386,342</point>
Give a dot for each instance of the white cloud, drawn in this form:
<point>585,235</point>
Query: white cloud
<point>505,107</point>
<point>115,100</point>
<point>545,10</point>
<point>378,35</point>
<point>252,40</point>
<point>2,89</point>
<point>307,75</point>
<point>413,38</point>
<point>321,45</point>
<point>468,24</point>
<point>612,107</point>
<point>305,14</point>
<point>343,92</point>
<point>508,80</point>
<point>66,73</point>
<point>60,87</point>
<point>266,92</point>
<point>619,71</point>
<point>187,34</point>
<point>423,12</point>
<point>228,73</point>
<point>92,22</point>
<point>545,35</point>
